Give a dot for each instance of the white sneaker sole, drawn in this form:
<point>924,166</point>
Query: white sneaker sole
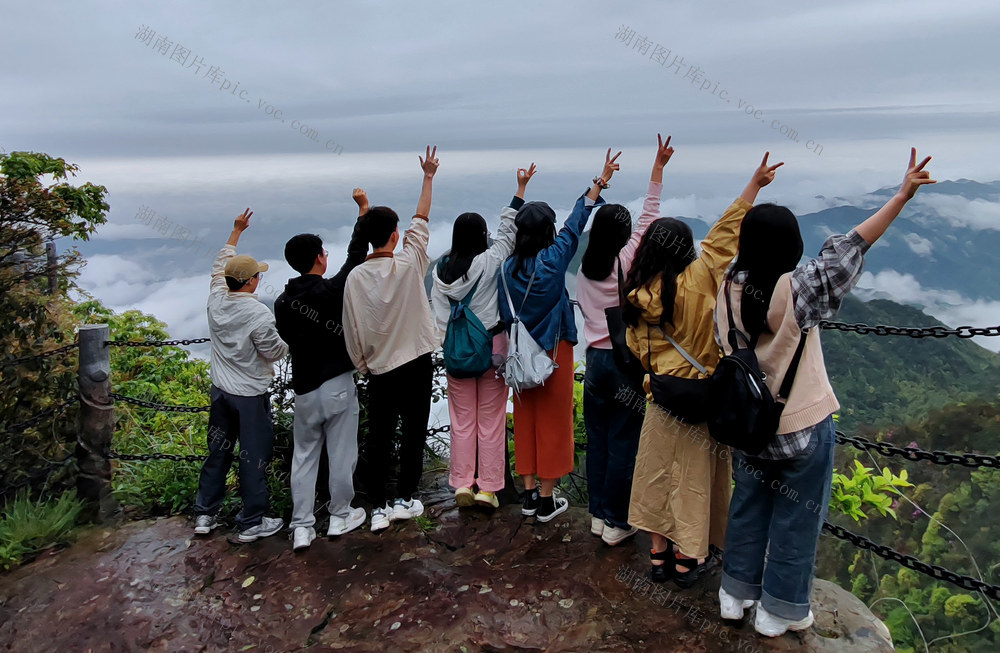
<point>795,626</point>
<point>618,540</point>
<point>301,547</point>
<point>380,525</point>
<point>204,530</point>
<point>246,539</point>
<point>349,525</point>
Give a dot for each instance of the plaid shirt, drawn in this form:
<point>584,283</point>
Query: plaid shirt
<point>818,289</point>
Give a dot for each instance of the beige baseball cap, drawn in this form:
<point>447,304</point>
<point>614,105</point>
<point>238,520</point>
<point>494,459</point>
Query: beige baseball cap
<point>243,267</point>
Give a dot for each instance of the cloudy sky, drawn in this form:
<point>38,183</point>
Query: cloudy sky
<point>192,112</point>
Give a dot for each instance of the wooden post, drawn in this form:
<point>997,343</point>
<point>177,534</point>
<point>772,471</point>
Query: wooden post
<point>52,264</point>
<point>97,413</point>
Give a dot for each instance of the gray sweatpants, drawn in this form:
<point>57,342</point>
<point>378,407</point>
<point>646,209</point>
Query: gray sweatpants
<point>328,414</point>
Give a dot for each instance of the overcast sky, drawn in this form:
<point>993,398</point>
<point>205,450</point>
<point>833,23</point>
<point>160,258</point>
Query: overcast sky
<point>180,121</point>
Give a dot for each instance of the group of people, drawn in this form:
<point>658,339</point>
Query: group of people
<point>678,307</point>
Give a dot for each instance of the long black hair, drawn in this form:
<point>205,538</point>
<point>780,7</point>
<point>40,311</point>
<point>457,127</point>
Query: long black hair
<point>469,239</point>
<point>536,230</point>
<point>666,249</point>
<point>770,246</point>
<point>608,234</point>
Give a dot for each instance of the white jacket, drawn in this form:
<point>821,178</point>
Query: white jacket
<point>245,342</point>
<point>485,267</point>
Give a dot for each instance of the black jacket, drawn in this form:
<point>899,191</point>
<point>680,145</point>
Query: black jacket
<point>309,315</point>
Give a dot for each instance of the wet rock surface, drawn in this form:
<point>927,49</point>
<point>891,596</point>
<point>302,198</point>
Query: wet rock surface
<point>474,581</point>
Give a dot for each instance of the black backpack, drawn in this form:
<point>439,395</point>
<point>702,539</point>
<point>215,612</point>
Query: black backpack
<point>745,416</point>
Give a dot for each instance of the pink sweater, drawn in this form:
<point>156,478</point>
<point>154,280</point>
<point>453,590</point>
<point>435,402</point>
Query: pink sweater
<point>595,296</point>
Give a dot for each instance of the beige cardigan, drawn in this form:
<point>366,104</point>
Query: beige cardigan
<point>811,398</point>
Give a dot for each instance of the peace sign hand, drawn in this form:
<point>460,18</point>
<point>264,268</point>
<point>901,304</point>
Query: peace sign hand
<point>242,221</point>
<point>609,165</point>
<point>915,176</point>
<point>663,151</point>
<point>764,174</point>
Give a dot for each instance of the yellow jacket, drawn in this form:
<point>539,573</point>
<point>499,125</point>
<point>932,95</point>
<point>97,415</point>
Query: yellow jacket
<point>694,305</point>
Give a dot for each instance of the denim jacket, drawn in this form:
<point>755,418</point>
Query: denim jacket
<point>547,312</point>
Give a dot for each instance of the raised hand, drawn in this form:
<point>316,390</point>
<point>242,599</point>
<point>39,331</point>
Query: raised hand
<point>663,151</point>
<point>915,176</point>
<point>430,164</point>
<point>241,223</point>
<point>764,174</point>
<point>361,197</point>
<point>524,176</point>
<point>609,165</point>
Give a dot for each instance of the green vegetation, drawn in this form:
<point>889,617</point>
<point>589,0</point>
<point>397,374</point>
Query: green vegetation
<point>882,381</point>
<point>28,527</point>
<point>38,204</point>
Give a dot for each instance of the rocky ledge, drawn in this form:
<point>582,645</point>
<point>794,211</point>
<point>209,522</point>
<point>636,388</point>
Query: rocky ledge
<point>463,581</point>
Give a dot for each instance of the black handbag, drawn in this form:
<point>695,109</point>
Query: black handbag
<point>745,415</point>
<point>625,360</point>
<point>685,399</point>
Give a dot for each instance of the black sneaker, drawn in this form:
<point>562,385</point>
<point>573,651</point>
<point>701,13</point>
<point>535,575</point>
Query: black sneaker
<point>550,507</point>
<point>531,501</point>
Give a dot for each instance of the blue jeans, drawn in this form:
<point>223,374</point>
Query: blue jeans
<point>775,518</point>
<point>246,420</point>
<point>613,429</point>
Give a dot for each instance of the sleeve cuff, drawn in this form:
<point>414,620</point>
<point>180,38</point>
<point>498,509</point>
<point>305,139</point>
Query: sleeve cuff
<point>855,239</point>
<point>422,217</point>
<point>516,202</point>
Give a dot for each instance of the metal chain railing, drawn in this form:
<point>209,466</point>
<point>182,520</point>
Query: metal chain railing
<point>155,406</point>
<point>915,453</point>
<point>128,457</point>
<point>36,474</point>
<point>155,343</point>
<point>912,332</point>
<point>910,562</point>
<point>32,421</point>
<point>47,354</point>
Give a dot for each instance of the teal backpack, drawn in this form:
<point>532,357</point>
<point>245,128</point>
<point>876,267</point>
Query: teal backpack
<point>468,346</point>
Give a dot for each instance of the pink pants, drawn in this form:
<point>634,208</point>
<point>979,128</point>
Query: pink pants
<point>478,410</point>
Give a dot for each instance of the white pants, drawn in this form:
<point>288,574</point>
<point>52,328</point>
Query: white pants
<point>328,414</point>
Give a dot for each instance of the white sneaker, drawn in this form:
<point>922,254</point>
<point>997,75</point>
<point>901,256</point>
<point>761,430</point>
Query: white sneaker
<point>406,509</point>
<point>771,626</point>
<point>614,535</point>
<point>731,607</point>
<point>381,518</point>
<point>302,537</point>
<point>203,524</point>
<point>268,526</point>
<point>341,525</point>
<point>596,526</point>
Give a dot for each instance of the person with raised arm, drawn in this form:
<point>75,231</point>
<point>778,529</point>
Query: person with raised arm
<point>308,315</point>
<point>777,303</point>
<point>390,334</point>
<point>612,425</point>
<point>682,480</point>
<point>535,276</point>
<point>245,346</point>
<point>477,405</point>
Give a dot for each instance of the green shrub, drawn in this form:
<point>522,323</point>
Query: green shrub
<point>27,527</point>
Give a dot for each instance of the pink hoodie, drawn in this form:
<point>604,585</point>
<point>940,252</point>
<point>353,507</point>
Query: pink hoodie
<point>595,296</point>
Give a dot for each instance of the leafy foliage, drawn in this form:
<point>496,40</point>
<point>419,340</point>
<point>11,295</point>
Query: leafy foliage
<point>852,495</point>
<point>39,205</point>
<point>28,527</point>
